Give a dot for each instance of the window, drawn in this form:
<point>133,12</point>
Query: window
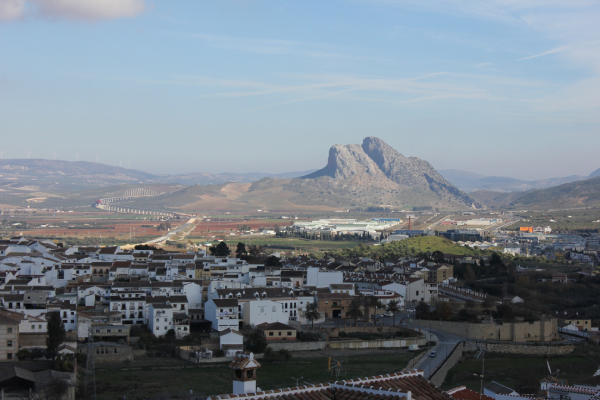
<point>9,343</point>
<point>9,356</point>
<point>279,333</point>
<point>9,330</point>
<point>270,333</point>
<point>32,326</point>
<point>289,333</point>
<point>157,328</point>
<point>39,327</point>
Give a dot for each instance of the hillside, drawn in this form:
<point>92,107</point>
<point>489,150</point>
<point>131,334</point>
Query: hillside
<point>472,182</point>
<point>585,193</point>
<point>21,176</point>
<point>409,247</point>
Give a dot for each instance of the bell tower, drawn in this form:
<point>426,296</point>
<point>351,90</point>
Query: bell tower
<point>244,368</point>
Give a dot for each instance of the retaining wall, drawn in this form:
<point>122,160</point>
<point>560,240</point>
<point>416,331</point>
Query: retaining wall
<point>439,375</point>
<point>522,349</point>
<point>375,344</point>
<point>538,331</point>
<point>298,346</point>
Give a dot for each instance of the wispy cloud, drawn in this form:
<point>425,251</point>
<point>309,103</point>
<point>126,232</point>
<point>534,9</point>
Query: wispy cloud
<point>483,65</point>
<point>545,53</point>
<point>263,46</point>
<point>86,10</point>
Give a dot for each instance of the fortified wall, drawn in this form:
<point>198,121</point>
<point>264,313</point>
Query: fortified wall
<point>539,331</point>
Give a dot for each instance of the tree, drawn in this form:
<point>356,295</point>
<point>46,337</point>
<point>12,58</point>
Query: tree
<point>354,309</point>
<point>438,257</point>
<point>393,307</point>
<point>272,261</point>
<point>422,310</point>
<point>257,342</point>
<point>241,249</point>
<point>220,250</point>
<point>312,313</point>
<point>488,303</point>
<point>56,333</point>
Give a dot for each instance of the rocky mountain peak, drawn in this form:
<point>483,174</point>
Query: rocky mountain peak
<point>377,164</point>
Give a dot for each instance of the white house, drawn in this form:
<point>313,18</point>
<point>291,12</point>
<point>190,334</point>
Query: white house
<point>231,341</point>
<point>160,318</point>
<point>223,313</point>
<point>256,312</point>
<point>322,279</point>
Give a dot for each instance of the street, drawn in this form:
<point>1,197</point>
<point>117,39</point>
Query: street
<point>445,342</point>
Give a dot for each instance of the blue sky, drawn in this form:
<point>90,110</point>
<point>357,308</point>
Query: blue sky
<point>499,87</point>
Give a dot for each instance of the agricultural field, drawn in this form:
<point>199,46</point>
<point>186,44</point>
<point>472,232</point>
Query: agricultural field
<point>560,220</point>
<point>178,379</point>
<point>519,372</point>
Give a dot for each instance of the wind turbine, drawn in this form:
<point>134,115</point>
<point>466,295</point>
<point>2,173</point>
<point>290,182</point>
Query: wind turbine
<point>28,153</point>
<point>97,158</point>
<point>128,163</point>
<point>54,154</point>
<point>77,156</point>
<point>1,153</point>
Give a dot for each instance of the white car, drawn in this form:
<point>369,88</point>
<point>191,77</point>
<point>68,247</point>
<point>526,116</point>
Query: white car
<point>432,354</point>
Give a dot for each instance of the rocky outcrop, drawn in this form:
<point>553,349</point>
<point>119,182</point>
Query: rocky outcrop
<point>376,164</point>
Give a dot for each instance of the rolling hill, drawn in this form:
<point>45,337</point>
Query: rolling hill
<point>471,182</point>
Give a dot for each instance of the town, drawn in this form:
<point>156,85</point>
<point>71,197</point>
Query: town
<point>491,291</point>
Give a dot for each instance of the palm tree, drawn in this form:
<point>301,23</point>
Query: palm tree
<point>354,309</point>
<point>312,313</point>
<point>393,307</point>
<point>369,302</point>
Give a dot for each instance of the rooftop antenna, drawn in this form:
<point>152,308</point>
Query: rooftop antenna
<point>77,156</point>
<point>28,153</point>
<point>54,154</point>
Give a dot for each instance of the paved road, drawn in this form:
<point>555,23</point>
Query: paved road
<point>445,343</point>
<point>173,232</point>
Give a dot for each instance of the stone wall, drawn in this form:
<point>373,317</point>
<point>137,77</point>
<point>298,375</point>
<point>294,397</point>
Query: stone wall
<point>538,331</point>
<point>375,344</point>
<point>522,349</point>
<point>32,340</point>
<point>298,346</point>
<point>368,329</point>
<point>439,375</point>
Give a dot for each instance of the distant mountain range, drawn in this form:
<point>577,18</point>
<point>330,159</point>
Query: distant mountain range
<point>56,176</point>
<point>471,182</point>
<point>583,193</point>
<point>357,176</point>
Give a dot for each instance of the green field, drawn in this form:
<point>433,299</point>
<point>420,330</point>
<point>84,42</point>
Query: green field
<point>213,379</point>
<point>519,372</point>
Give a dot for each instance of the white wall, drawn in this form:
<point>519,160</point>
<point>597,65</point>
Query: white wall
<point>320,279</point>
<point>257,312</point>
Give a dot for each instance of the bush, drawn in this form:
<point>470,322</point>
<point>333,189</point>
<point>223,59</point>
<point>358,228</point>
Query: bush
<point>24,355</point>
<point>308,336</point>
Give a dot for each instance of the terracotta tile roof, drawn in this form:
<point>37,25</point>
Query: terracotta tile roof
<point>462,393</point>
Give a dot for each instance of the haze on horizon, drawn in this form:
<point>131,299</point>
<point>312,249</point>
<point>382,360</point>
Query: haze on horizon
<point>505,88</point>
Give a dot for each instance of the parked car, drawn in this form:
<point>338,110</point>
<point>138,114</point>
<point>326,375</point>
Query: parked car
<point>410,310</point>
<point>432,354</point>
<point>388,314</point>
